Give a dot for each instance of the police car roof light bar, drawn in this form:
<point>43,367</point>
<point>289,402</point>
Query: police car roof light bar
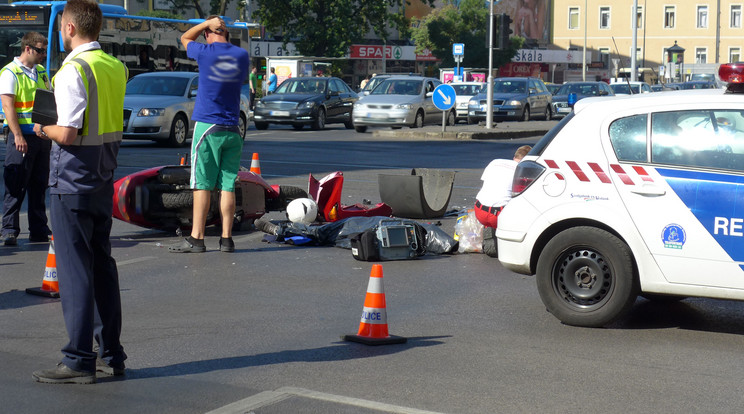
<point>733,74</point>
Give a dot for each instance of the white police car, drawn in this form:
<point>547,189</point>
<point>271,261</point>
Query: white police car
<point>633,195</point>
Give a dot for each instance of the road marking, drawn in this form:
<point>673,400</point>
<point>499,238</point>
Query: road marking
<point>135,260</point>
<point>267,398</point>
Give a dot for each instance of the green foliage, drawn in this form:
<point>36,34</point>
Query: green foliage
<point>466,23</point>
<point>329,27</point>
<point>159,13</point>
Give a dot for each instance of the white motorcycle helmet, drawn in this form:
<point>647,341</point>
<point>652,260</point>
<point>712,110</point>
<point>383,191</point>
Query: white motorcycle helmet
<point>302,210</point>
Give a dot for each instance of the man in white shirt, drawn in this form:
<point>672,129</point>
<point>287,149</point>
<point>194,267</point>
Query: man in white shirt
<point>26,169</point>
<point>496,192</point>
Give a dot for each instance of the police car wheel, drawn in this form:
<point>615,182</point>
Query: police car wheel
<point>585,277</point>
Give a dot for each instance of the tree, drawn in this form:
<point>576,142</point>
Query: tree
<point>329,27</point>
<point>460,21</point>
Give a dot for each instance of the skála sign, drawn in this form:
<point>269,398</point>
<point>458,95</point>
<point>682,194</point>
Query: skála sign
<point>549,56</point>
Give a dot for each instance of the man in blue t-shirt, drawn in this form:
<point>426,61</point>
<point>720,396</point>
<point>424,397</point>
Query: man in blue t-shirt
<point>217,145</point>
<point>272,81</point>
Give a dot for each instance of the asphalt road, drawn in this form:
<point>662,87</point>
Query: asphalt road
<point>258,331</point>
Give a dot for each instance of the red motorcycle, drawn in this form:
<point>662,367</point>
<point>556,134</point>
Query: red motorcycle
<point>160,198</point>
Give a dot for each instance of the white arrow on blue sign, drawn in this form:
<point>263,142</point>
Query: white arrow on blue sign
<point>458,49</point>
<point>444,97</point>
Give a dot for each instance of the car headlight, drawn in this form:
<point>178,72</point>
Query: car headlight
<point>404,106</point>
<point>259,104</point>
<point>514,103</point>
<point>151,112</point>
<point>359,106</point>
<point>473,102</point>
<point>310,104</point>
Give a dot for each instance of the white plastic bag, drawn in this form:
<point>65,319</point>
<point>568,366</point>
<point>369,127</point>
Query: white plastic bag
<point>469,233</point>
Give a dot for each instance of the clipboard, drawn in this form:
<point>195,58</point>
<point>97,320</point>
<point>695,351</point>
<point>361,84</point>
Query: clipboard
<point>45,108</point>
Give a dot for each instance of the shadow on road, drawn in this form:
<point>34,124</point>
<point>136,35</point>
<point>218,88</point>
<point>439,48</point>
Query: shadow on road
<point>341,352</point>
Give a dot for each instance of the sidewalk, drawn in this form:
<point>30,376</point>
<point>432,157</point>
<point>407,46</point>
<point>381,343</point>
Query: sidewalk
<point>501,130</point>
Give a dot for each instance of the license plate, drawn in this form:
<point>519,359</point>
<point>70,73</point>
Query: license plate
<point>280,113</point>
<point>564,110</point>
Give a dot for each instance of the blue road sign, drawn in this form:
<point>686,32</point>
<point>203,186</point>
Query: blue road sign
<point>458,49</point>
<point>444,97</point>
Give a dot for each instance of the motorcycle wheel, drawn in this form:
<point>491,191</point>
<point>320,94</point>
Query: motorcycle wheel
<point>287,193</point>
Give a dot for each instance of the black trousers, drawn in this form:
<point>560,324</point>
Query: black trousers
<point>26,175</point>
<point>88,277</point>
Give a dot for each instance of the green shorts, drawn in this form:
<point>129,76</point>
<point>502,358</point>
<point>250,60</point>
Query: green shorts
<point>215,157</point>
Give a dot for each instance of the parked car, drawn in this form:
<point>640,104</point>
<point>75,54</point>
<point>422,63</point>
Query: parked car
<point>464,91</point>
<point>632,195</point>
<point>513,99</point>
<point>306,101</point>
<point>699,85</point>
<point>158,106</point>
<point>553,87</point>
<point>577,91</point>
<point>630,88</point>
<point>400,101</point>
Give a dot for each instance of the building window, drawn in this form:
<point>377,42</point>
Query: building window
<point>639,17</point>
<point>669,12</point>
<point>734,54</point>
<point>701,55</point>
<point>573,18</point>
<point>736,16</point>
<point>604,17</point>
<point>604,56</point>
<point>702,17</point>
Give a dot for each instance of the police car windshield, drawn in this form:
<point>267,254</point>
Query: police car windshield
<point>152,85</point>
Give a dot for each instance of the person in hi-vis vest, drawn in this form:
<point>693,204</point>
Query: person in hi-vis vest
<point>26,169</point>
<point>89,91</point>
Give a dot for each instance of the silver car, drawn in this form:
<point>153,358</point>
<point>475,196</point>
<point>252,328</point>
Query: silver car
<point>400,101</point>
<point>158,106</point>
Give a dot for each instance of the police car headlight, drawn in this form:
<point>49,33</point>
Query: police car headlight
<point>403,106</point>
<point>310,104</point>
<point>151,112</point>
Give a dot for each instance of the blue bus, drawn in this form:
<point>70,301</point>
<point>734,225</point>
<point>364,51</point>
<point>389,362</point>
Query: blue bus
<point>143,44</point>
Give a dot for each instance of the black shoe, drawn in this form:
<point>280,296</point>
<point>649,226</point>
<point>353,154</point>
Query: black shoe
<point>188,245</point>
<point>11,240</point>
<point>42,238</point>
<point>62,374</point>
<point>106,369</point>
<point>227,245</point>
<point>266,226</point>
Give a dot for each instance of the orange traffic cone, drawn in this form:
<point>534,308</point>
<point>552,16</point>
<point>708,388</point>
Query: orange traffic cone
<point>373,329</point>
<point>49,285</point>
<point>255,166</point>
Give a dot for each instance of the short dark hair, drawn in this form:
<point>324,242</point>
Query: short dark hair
<point>86,16</point>
<point>32,38</point>
<point>227,32</point>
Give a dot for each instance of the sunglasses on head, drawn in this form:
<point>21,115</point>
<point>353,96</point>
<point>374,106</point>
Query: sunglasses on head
<point>38,50</point>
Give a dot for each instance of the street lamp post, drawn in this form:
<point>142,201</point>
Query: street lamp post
<point>489,93</point>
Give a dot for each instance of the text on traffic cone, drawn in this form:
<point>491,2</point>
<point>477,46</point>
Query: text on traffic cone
<point>49,284</point>
<point>373,328</point>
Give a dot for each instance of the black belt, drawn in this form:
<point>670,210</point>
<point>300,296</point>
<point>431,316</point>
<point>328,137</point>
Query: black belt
<point>490,210</point>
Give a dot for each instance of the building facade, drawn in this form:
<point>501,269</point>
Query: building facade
<point>709,31</point>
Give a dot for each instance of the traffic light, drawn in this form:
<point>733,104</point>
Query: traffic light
<point>505,30</point>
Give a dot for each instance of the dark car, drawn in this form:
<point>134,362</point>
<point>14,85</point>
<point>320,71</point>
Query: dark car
<point>513,99</point>
<point>699,85</point>
<point>306,101</point>
<point>561,106</point>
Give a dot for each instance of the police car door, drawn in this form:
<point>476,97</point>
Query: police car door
<point>687,203</point>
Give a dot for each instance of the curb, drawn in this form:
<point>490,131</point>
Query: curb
<point>469,135</point>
